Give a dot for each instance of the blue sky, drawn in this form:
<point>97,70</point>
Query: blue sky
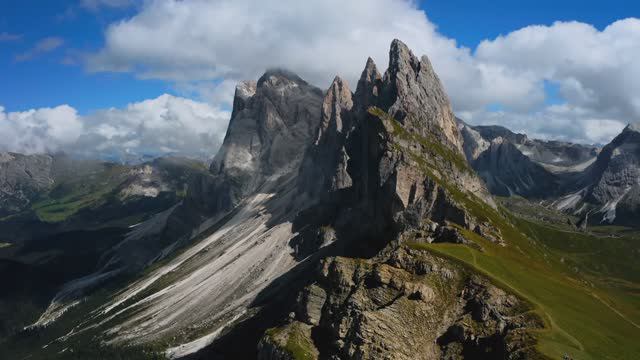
<point>102,65</point>
<point>470,21</point>
<point>46,81</point>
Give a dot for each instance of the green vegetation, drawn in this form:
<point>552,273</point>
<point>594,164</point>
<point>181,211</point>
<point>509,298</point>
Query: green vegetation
<point>433,146</point>
<point>584,320</point>
<point>4,245</point>
<point>75,194</point>
<point>298,343</point>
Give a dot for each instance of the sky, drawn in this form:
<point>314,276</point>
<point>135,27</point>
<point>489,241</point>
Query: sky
<point>136,77</point>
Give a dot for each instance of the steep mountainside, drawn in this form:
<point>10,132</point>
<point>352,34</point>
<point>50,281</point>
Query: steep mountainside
<point>512,164</point>
<point>238,216</point>
<point>507,172</point>
<point>403,181</point>
<point>608,191</point>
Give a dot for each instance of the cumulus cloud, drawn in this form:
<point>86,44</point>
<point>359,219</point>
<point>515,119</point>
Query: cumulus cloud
<point>595,70</point>
<point>165,125</point>
<point>38,131</point>
<point>45,45</point>
<point>190,41</point>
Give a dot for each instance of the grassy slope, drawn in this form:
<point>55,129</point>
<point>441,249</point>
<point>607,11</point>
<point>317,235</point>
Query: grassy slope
<point>585,288</point>
<point>74,194</point>
<point>587,317</point>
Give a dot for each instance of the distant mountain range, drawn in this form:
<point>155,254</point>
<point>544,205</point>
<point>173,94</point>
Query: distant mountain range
<point>599,185</point>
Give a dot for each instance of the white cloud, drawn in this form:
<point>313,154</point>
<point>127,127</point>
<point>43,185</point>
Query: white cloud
<point>167,124</point>
<point>38,131</point>
<point>191,41</point>
<point>45,45</point>
<point>595,69</point>
<point>558,122</point>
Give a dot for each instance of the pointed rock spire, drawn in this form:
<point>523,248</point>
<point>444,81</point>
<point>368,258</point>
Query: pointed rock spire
<point>368,88</point>
<point>336,106</point>
<point>325,165</point>
<point>634,126</point>
<point>413,94</point>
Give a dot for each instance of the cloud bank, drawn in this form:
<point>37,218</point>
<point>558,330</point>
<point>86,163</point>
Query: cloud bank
<point>191,41</point>
<point>165,125</point>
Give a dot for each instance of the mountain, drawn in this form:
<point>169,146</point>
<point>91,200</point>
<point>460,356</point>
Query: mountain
<point>404,179</point>
<point>507,171</point>
<point>608,190</point>
<point>513,164</point>
<point>556,156</point>
<point>596,185</point>
<point>339,225</point>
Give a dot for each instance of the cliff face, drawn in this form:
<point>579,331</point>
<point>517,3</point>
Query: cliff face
<point>272,120</point>
<point>402,304</point>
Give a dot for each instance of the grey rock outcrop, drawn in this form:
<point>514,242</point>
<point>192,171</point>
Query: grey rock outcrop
<point>513,164</point>
<point>271,122</point>
<point>413,95</point>
<point>403,304</point>
<point>325,165</point>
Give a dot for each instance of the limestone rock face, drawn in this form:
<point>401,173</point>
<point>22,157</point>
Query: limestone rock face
<point>409,181</point>
<point>273,119</point>
<point>414,95</point>
<point>325,165</point>
<point>473,143</point>
<point>556,156</point>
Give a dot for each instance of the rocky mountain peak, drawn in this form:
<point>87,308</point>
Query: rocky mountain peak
<point>272,120</point>
<point>324,168</point>
<point>414,95</point>
<point>634,126</point>
<point>368,88</point>
<point>244,91</point>
<point>280,77</point>
<point>337,101</point>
